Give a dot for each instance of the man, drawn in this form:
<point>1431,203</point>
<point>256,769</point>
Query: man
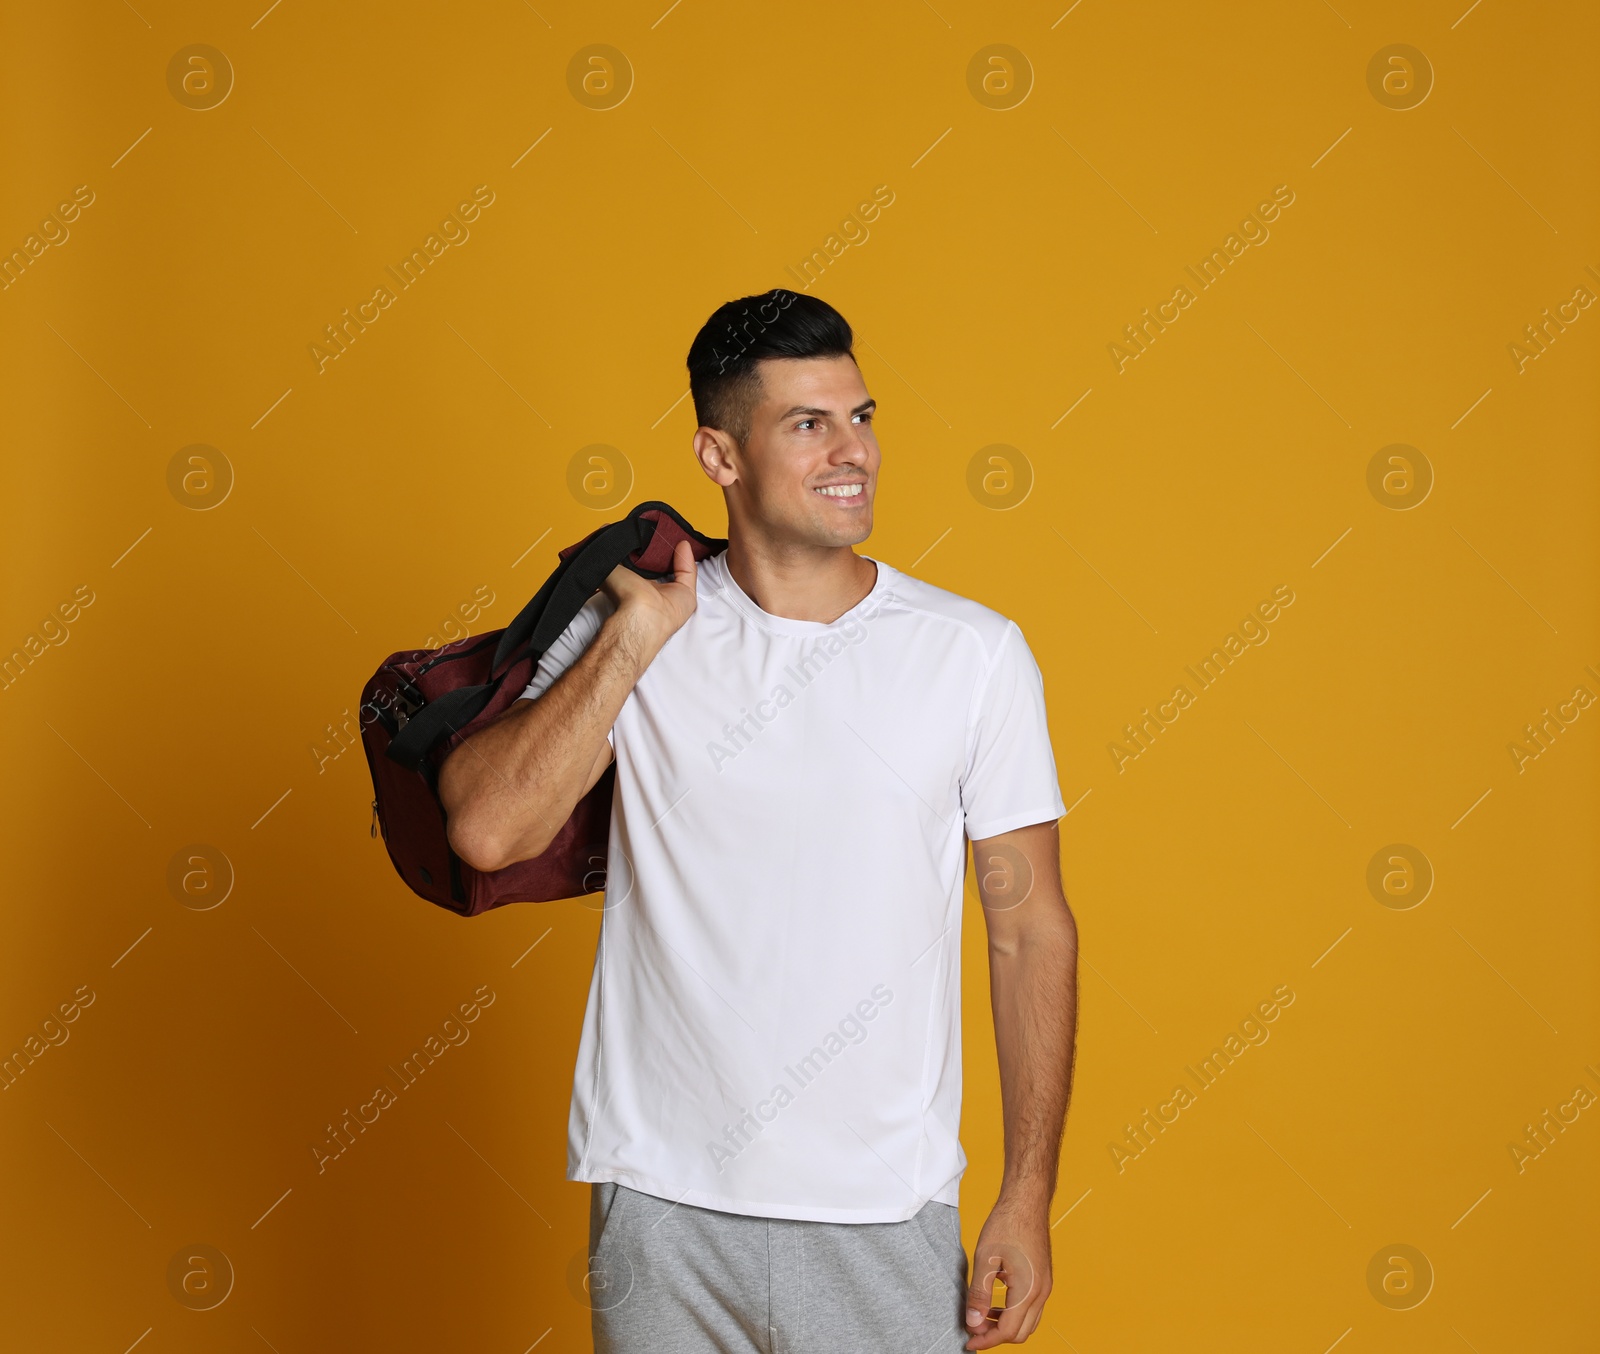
<point>768,1086</point>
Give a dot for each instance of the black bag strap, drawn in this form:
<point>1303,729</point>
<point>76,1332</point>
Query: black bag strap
<point>538,625</point>
<point>452,711</point>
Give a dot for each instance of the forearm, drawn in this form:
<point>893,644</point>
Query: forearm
<point>508,788</point>
<point>1033,992</point>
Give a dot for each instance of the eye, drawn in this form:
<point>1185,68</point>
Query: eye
<point>863,418</point>
<point>803,422</point>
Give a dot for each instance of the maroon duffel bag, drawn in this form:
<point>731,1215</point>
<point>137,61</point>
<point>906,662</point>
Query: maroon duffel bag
<point>421,703</point>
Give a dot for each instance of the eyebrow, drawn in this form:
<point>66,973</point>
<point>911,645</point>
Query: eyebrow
<point>808,409</point>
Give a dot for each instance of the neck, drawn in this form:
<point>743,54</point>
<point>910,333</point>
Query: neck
<point>801,583</point>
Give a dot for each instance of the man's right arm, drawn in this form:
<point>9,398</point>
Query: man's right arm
<point>508,789</point>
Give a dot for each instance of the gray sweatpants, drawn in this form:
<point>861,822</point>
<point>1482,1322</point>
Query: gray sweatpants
<point>669,1278</point>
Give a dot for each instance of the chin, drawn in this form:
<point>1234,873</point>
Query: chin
<point>850,532</point>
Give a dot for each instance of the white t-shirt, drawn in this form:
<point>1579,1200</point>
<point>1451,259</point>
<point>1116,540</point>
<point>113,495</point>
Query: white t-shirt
<point>774,1017</point>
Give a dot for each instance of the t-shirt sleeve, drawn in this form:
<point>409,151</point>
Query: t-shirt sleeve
<point>1010,777</point>
<point>569,646</point>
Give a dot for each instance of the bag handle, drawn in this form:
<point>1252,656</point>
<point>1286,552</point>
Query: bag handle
<point>583,568</point>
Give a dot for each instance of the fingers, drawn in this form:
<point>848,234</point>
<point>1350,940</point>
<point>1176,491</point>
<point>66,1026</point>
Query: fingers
<point>683,563</point>
<point>989,1325</point>
<point>1034,1310</point>
<point>980,1298</point>
<point>1009,1329</point>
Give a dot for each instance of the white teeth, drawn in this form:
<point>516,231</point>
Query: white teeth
<point>841,490</point>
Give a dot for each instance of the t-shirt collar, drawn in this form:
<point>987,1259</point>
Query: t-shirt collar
<point>785,625</point>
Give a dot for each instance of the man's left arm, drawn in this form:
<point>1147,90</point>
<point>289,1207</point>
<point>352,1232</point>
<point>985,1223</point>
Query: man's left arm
<point>1033,963</point>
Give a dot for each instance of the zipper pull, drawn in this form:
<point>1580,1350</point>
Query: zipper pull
<point>374,818</point>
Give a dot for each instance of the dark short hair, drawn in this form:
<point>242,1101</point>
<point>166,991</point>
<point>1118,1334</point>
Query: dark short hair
<point>777,324</point>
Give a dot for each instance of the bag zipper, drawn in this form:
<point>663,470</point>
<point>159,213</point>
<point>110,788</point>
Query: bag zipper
<point>448,657</point>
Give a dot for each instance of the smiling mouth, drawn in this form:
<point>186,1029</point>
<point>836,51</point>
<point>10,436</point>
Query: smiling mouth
<point>840,491</point>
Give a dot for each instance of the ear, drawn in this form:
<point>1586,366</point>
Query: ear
<point>718,455</point>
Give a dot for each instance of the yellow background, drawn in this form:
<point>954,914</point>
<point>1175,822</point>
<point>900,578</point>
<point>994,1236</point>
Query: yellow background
<point>372,498</point>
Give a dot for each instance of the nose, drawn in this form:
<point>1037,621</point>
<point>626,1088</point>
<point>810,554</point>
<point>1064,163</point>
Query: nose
<point>851,446</point>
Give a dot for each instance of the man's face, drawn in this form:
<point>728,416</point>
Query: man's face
<point>808,470</point>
